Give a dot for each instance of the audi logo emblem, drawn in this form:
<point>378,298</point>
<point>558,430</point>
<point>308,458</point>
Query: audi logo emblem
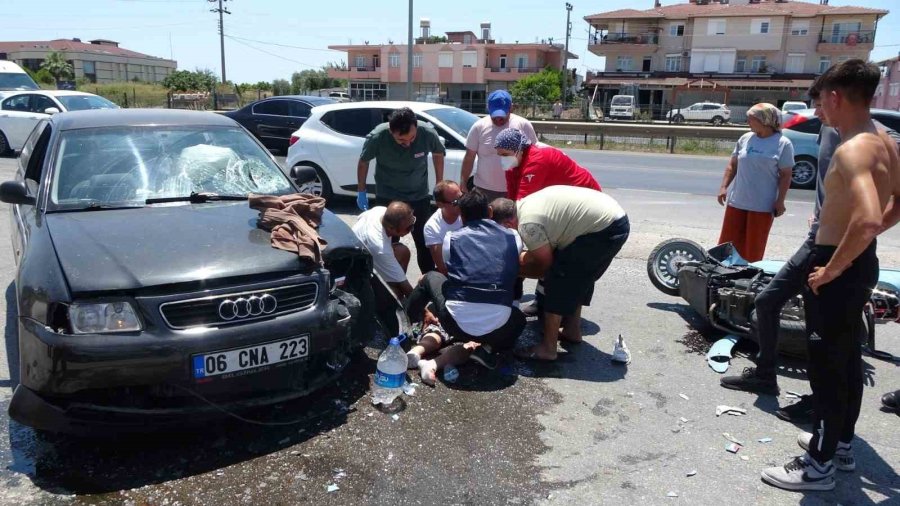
<point>244,307</point>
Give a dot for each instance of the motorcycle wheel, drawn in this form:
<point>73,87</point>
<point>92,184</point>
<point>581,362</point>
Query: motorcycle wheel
<point>667,258</point>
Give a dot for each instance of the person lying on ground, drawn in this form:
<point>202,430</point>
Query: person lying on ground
<point>375,229</point>
<point>430,343</point>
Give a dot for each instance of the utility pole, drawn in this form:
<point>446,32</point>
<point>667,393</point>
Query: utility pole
<point>565,76</point>
<point>409,55</point>
<point>222,11</point>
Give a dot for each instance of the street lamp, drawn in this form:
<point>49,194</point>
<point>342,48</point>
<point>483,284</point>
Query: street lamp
<point>565,77</point>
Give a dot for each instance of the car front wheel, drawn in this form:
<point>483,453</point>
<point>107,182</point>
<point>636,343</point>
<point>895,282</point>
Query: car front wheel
<point>718,120</point>
<point>803,174</point>
<point>320,187</point>
<point>678,118</point>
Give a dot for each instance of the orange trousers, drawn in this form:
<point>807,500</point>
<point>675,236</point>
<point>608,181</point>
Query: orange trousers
<point>748,231</point>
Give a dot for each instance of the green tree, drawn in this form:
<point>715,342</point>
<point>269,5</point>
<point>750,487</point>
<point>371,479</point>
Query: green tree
<point>43,77</point>
<point>57,66</point>
<point>263,86</point>
<point>281,87</point>
<point>541,87</point>
<point>185,80</point>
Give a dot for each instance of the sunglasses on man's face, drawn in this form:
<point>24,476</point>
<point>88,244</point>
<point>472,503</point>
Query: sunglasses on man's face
<point>454,202</point>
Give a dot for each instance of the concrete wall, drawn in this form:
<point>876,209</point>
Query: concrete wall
<point>109,68</point>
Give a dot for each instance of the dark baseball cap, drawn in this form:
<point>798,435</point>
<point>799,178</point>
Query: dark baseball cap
<point>499,103</point>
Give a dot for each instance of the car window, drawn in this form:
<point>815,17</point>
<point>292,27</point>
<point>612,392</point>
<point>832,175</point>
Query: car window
<point>353,122</point>
<point>85,102</point>
<point>299,109</point>
<point>273,108</point>
<point>810,126</point>
<point>711,107</point>
<point>40,103</point>
<point>458,120</point>
<point>891,121</point>
<point>35,165</point>
<point>17,103</point>
<point>28,146</point>
<point>128,165</point>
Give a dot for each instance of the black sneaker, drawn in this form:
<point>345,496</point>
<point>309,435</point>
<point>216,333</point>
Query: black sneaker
<point>750,381</point>
<point>891,400</point>
<point>531,309</point>
<point>484,357</point>
<point>799,412</point>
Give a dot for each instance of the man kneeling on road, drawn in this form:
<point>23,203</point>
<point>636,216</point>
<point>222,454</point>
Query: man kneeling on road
<point>375,229</point>
<point>572,235</point>
<point>473,302</point>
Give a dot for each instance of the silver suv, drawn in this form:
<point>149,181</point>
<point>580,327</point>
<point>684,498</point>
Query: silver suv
<point>703,111</point>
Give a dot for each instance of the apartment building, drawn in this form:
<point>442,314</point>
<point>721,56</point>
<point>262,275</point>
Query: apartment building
<point>887,95</point>
<point>750,50</point>
<point>461,68</point>
<point>98,61</point>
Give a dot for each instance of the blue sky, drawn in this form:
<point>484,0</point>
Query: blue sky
<point>187,30</point>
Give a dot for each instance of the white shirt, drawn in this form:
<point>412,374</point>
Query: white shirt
<point>436,228</point>
<point>371,234</point>
<point>481,137</point>
<point>478,318</point>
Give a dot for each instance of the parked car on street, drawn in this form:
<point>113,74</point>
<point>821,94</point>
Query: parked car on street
<point>332,138</point>
<point>802,128</point>
<point>13,79</point>
<point>146,293</point>
<point>273,120</point>
<point>709,112</point>
<point>621,107</point>
<point>21,111</point>
<point>793,106</point>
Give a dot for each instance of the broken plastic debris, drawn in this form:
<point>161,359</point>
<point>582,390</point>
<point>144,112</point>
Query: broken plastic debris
<point>765,440</point>
<point>732,438</point>
<point>692,472</point>
<point>332,488</point>
<point>295,453</point>
<point>683,420</point>
<point>744,457</point>
<point>684,397</point>
<point>369,413</point>
<point>410,388</point>
<point>733,448</point>
<point>672,494</point>
<point>395,417</point>
<point>722,409</point>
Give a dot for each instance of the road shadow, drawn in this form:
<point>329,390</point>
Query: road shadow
<point>11,339</point>
<point>872,475</point>
<point>71,465</point>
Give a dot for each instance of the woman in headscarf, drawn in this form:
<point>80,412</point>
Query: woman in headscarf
<point>759,175</point>
<point>530,168</point>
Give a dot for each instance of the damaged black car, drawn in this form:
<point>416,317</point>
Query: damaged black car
<point>146,292</point>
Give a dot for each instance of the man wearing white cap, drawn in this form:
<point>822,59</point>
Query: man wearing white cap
<point>489,177</point>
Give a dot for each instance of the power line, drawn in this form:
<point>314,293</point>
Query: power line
<point>285,45</point>
<point>270,53</point>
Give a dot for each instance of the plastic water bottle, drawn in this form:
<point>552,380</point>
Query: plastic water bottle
<point>390,374</point>
<point>451,374</point>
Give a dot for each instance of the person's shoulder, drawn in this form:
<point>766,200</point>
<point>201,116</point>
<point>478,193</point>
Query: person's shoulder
<point>434,220</point>
<point>426,126</point>
<point>746,137</point>
<point>517,119</point>
<point>858,153</point>
<point>380,130</point>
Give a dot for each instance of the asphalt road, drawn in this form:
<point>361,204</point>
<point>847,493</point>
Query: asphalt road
<point>580,431</point>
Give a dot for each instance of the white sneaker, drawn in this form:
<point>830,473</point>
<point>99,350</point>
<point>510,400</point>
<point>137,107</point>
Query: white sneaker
<point>621,353</point>
<point>412,360</point>
<point>800,474</point>
<point>843,457</point>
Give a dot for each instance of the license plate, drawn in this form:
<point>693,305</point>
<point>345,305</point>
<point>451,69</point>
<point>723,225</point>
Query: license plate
<point>221,362</point>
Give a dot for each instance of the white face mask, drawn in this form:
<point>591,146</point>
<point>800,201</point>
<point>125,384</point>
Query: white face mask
<point>508,162</point>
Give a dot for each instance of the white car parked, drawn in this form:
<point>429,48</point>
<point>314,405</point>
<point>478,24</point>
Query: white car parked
<point>703,111</point>
<point>20,112</point>
<point>331,140</point>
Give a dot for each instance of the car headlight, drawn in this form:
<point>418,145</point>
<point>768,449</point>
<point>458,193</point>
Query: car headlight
<point>104,317</point>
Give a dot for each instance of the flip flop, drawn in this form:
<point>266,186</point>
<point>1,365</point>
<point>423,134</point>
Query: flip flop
<point>719,356</point>
<point>529,354</point>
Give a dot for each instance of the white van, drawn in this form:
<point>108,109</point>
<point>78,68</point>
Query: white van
<point>621,107</point>
<point>13,78</point>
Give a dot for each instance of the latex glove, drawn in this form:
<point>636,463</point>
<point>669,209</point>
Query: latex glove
<point>362,201</point>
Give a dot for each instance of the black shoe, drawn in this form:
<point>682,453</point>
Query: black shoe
<point>891,400</point>
<point>531,310</point>
<point>750,381</point>
<point>484,357</point>
<point>800,412</point>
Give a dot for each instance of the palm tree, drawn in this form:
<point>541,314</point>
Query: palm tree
<point>57,66</point>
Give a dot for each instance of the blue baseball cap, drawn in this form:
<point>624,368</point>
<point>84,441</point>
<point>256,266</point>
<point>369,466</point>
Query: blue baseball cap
<point>499,103</point>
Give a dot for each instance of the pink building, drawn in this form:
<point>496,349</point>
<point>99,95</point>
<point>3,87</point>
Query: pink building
<point>462,69</point>
<point>887,95</point>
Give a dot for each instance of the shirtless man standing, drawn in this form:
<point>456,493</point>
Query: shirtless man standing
<point>843,269</point>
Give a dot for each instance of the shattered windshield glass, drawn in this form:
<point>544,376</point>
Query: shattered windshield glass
<point>125,166</point>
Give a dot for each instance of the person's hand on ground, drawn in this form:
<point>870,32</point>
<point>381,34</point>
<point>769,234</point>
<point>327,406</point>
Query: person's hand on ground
<point>362,201</point>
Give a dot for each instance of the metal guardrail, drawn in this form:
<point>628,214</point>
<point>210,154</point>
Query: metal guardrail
<point>643,130</point>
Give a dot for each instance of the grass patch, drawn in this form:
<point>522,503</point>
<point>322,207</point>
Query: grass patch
<point>129,94</point>
<point>707,147</point>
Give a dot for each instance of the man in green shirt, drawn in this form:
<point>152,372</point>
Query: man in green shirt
<point>400,149</point>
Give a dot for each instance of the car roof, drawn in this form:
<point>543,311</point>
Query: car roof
<point>54,93</point>
<point>308,98</point>
<point>873,111</point>
<point>9,66</point>
<point>101,118</point>
<point>382,104</point>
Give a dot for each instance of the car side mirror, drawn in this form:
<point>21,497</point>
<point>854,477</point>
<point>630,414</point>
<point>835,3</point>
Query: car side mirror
<point>303,175</point>
<point>15,192</point>
<point>51,110</point>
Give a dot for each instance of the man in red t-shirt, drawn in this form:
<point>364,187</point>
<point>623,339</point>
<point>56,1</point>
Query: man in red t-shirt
<point>530,168</point>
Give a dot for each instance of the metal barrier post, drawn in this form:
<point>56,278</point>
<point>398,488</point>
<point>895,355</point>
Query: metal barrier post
<point>672,145</point>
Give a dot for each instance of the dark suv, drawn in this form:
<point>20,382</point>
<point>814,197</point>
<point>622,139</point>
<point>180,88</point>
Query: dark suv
<point>147,294</point>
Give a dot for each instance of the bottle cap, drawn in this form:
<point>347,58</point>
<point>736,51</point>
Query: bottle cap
<point>394,342</point>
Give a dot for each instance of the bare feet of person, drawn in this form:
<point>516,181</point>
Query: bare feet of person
<point>536,352</point>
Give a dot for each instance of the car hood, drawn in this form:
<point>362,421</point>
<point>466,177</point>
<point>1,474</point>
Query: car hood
<point>128,249</point>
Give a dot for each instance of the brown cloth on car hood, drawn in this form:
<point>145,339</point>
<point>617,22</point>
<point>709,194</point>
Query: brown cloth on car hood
<point>292,220</point>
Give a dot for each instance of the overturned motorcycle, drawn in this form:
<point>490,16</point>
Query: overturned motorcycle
<point>721,286</point>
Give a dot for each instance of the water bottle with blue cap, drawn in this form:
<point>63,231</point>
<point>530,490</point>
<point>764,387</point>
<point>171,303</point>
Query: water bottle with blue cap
<point>390,373</point>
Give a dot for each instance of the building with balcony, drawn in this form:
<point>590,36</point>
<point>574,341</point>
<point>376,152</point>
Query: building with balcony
<point>887,95</point>
<point>754,49</point>
<point>461,68</point>
<point>98,61</point>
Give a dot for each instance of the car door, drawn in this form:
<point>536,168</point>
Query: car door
<point>18,117</point>
<point>340,150</point>
<point>30,171</point>
<point>692,112</point>
<point>452,160</point>
<point>298,113</point>
<point>269,119</point>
